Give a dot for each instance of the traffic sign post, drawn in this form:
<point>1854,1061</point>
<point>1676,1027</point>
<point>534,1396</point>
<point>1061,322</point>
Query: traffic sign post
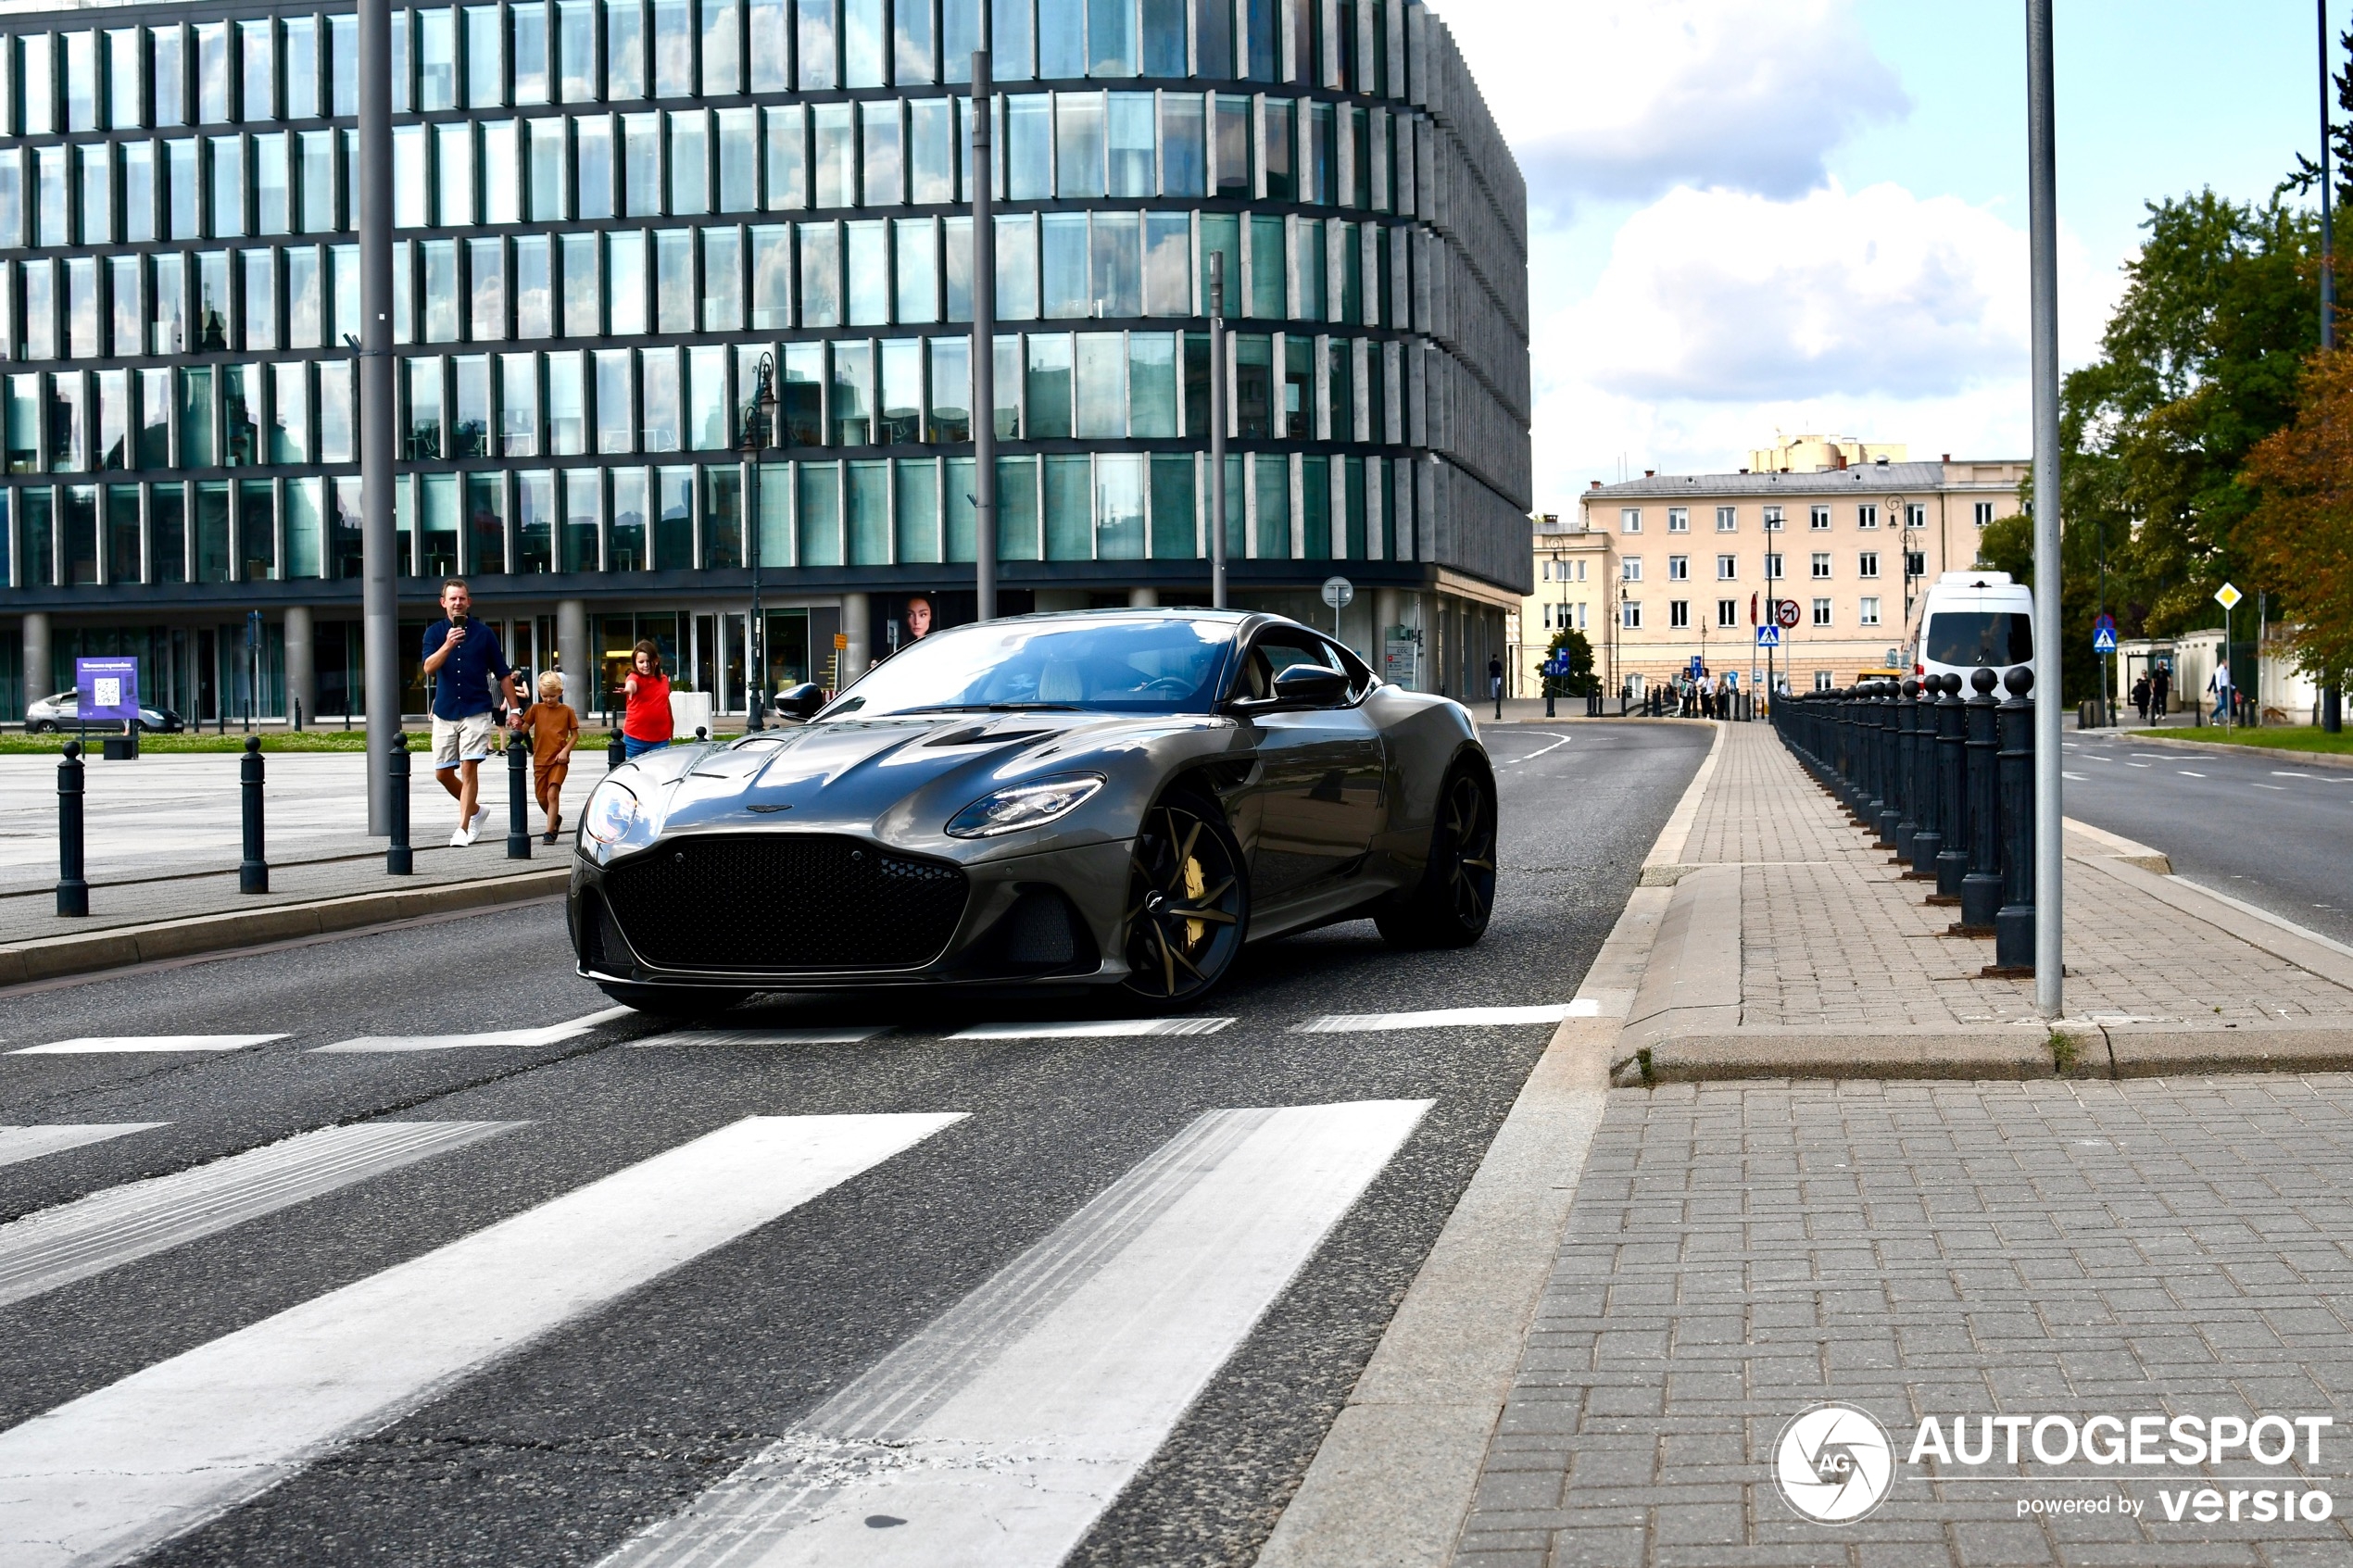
<point>1769,636</point>
<point>1787,615</point>
<point>1339,593</point>
<point>2228,597</point>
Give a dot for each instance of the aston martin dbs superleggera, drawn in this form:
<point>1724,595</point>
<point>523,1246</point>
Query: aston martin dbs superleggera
<point>1118,799</point>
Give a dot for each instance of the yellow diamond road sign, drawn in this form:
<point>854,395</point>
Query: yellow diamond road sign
<point>2227,596</point>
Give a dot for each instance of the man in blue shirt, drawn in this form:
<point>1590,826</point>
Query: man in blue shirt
<point>462,656</point>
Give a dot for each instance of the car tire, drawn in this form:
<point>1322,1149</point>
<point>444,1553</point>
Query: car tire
<point>39,727</point>
<point>1188,903</point>
<point>673,1001</point>
<point>1451,904</point>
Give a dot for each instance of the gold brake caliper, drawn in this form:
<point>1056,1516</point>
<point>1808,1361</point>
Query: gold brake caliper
<point>1196,884</point>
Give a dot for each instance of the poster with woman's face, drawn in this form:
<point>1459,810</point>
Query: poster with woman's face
<point>918,618</point>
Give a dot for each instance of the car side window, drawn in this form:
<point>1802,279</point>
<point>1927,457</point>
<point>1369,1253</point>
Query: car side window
<point>1274,653</point>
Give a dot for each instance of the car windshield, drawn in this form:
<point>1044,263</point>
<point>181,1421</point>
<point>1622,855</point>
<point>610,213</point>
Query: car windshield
<point>1139,666</point>
<point>1976,637</point>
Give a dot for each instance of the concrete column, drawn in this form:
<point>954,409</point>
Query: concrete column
<point>36,656</point>
<point>302,666</point>
<point>1144,599</point>
<point>857,624</point>
<point>579,666</point>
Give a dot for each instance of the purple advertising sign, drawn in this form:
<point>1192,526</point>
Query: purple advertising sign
<point>109,688</point>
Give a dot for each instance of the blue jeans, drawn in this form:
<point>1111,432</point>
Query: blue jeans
<point>632,748</point>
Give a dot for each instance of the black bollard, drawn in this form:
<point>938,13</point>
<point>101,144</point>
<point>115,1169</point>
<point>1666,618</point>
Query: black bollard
<point>73,889</point>
<point>1927,840</point>
<point>253,871</point>
<point>399,860</point>
<point>1888,811</point>
<point>518,798</point>
<point>615,752</point>
<point>297,713</point>
<point>1908,820</point>
<point>1548,699</point>
<point>1952,802</point>
<point>701,734</point>
<point>2014,922</point>
<point>1981,888</point>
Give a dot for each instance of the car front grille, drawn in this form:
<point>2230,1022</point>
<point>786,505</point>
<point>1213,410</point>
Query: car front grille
<point>784,901</point>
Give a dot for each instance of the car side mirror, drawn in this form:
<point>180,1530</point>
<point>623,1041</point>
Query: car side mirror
<point>1310,686</point>
<point>801,701</point>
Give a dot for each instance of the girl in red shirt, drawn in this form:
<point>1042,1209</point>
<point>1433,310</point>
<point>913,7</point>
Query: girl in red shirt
<point>644,724</point>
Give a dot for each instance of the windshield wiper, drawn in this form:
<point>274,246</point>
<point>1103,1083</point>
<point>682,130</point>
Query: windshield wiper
<point>995,708</point>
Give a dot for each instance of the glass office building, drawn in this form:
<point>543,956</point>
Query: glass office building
<point>610,213</point>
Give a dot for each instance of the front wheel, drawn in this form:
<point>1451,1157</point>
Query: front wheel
<point>1188,902</point>
<point>673,1002</point>
<point>1451,905</point>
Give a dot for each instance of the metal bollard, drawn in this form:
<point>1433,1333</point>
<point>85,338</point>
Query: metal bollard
<point>73,889</point>
<point>1981,888</point>
<point>253,871</point>
<point>701,734</point>
<point>2014,922</point>
<point>1908,820</point>
<point>518,799</point>
<point>1952,804</point>
<point>615,752</point>
<point>1548,699</point>
<point>1928,837</point>
<point>399,860</point>
<point>298,714</point>
<point>1885,811</point>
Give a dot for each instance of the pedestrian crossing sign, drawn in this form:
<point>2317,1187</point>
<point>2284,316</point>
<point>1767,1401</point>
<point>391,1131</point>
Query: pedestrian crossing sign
<point>2104,640</point>
<point>1769,636</point>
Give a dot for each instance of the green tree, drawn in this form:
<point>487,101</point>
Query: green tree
<point>2300,532</point>
<point>1579,681</point>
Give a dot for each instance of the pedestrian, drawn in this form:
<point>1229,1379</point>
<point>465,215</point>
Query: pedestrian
<point>2141,698</point>
<point>645,723</point>
<point>2160,687</point>
<point>553,729</point>
<point>1495,681</point>
<point>463,659</point>
<point>2218,687</point>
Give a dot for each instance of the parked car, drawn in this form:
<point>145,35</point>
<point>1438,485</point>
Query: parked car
<point>63,711</point>
<point>1970,621</point>
<point>1117,798</point>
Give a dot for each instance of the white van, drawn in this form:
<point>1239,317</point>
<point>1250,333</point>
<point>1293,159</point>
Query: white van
<point>1970,621</point>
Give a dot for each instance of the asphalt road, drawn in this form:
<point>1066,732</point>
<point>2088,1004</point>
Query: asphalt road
<point>594,1414</point>
<point>2262,829</point>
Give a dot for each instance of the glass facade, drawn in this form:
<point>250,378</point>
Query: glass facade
<point>608,212</point>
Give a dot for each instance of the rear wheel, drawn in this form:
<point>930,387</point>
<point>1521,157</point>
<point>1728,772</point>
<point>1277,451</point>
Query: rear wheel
<point>1450,906</point>
<point>673,1002</point>
<point>1188,902</point>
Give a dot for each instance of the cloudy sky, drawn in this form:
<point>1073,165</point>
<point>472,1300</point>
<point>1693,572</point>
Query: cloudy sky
<point>1811,214</point>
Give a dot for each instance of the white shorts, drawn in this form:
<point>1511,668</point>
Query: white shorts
<point>460,740</point>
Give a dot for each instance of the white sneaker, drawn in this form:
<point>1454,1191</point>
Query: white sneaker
<point>459,839</point>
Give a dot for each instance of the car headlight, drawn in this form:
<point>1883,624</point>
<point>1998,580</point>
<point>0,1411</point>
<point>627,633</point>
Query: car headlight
<point>1023,805</point>
<point>611,809</point>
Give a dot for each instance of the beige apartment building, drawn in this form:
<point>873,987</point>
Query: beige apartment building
<point>1668,568</point>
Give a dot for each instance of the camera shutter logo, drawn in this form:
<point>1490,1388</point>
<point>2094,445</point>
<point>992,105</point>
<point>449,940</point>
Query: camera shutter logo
<point>1834,1463</point>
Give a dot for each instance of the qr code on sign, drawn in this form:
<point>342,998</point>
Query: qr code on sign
<point>107,692</point>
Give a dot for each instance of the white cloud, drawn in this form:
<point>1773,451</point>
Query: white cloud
<point>1627,99</point>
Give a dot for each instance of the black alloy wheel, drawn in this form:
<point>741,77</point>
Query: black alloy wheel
<point>1188,902</point>
<point>1457,896</point>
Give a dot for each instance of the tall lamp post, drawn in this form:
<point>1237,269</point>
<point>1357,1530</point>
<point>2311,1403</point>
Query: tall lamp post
<point>2043,251</point>
<point>2333,693</point>
<point>760,424</point>
<point>1902,520</point>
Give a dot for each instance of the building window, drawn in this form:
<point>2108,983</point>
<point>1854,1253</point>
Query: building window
<point>1916,563</point>
<point>1867,516</point>
<point>1629,615</point>
<point>1773,572</point>
<point>1819,520</point>
<point>1821,680</point>
<point>1982,511</point>
<point>1679,569</point>
<point>1630,568</point>
<point>1821,613</point>
<point>1772,519</point>
<point>1822,563</point>
<point>1580,616</point>
<point>1866,612</point>
<point>1727,568</point>
<point>1630,519</point>
<point>1916,515</point>
<point>1728,612</point>
<point>1678,520</point>
<point>1679,614</point>
<point>1865,565</point>
<point>1728,520</point>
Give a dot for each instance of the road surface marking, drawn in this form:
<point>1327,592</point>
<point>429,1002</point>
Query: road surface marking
<point>2282,788</point>
<point>127,1467</point>
<point>2283,773</point>
<point>846,1036</point>
<point>72,1241</point>
<point>2153,756</point>
<point>92,1045</point>
<point>999,1433</point>
<point>1445,1018</point>
<point>2079,778</point>
<point>1092,1029</point>
<point>546,1035</point>
<point>1539,752</point>
<point>2187,774</point>
<point>2137,764</point>
<point>32,1142</point>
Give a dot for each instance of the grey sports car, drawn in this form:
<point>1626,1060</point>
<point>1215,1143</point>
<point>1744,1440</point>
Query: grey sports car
<point>1120,798</point>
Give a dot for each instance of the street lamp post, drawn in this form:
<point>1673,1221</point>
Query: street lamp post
<point>1904,542</point>
<point>760,423</point>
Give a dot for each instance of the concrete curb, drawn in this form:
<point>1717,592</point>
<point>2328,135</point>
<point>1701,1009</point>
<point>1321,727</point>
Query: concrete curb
<point>53,956</point>
<point>1396,1475</point>
<point>2228,748</point>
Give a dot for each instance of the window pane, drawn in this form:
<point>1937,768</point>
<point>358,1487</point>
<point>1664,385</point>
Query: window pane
<point>97,192</point>
<point>113,419</point>
<point>902,391</point>
<point>1233,147</point>
<point>770,276</point>
<point>592,137</point>
<point>138,193</point>
<point>708,425</point>
<point>411,187</point>
<point>576,49</point>
<point>486,523</point>
<point>1152,384</point>
<point>721,48</point>
<point>227,156</point>
<point>956,235</point>
<point>196,419</point>
<point>437,61</point>
<point>501,197</point>
<point>212,77</point>
<point>722,286</point>
<point>1062,38</point>
<point>1078,145</point>
<point>273,208</point>
<point>1268,267</point>
<point>343,66</point>
<point>305,328</point>
<point>151,439</point>
<point>485,61</point>
<point>1176,529</point>
<point>883,178</point>
<point>548,185</point>
<point>584,507</point>
<point>625,50</point>
<point>641,165</point>
<point>674,508</point>
<point>738,161</point>
<point>918,271</point>
<point>788,159</point>
<point>1010,54</point>
<point>531,53</point>
<point>1309,258</point>
<point>1028,147</point>
<point>1129,141</point>
<point>816,53</point>
<point>1119,507</point>
<point>930,165</point>
<point>421,440</point>
<point>861,43</point>
<point>1164,37</point>
<point>723,528</point>
<point>1117,264</point>
<point>336,443</point>
<point>1064,252</point>
<point>567,407</point>
<point>869,265</point>
<point>836,154</point>
<point>674,49</point>
<point>1017,267</point>
<point>1167,263</point>
<point>960,36</point>
<point>821,275</point>
<point>439,258</point>
<point>260,302</point>
<point>853,375</point>
<point>1272,491</point>
<point>770,22</point>
<point>658,387</point>
<point>689,162</point>
<point>487,287</point>
<point>616,407</point>
<point>1070,508</point>
<point>1047,387</point>
<point>918,509</point>
<point>127,323</point>
<point>535,525</point>
<point>290,413</point>
<point>627,550</point>
<point>1101,378</point>
<point>1111,37</point>
<point>167,318</point>
<point>584,298</point>
<point>318,171</point>
<point>801,394</point>
<point>626,275</point>
<point>1280,146</point>
<point>951,390</point>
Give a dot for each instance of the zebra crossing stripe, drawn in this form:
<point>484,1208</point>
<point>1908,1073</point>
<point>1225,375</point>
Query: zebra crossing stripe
<point>98,1045</point>
<point>32,1142</point>
<point>1000,1431</point>
<point>121,1470</point>
<point>107,1229</point>
<point>846,1036</point>
<point>1092,1029</point>
<point>1445,1018</point>
<point>543,1034</point>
